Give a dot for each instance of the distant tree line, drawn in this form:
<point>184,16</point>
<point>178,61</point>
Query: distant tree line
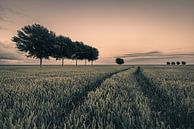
<point>41,43</point>
<point>176,63</point>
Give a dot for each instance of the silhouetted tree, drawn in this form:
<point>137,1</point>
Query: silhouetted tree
<point>168,63</point>
<point>36,40</point>
<point>86,53</point>
<point>173,63</point>
<point>77,51</point>
<point>178,63</point>
<point>41,43</point>
<point>184,63</point>
<point>62,48</point>
<point>119,61</point>
<point>81,53</point>
<point>92,54</point>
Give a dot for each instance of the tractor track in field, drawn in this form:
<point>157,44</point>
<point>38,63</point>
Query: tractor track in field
<point>148,91</point>
<point>160,102</point>
<point>76,100</point>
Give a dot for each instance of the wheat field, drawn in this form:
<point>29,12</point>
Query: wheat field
<point>97,97</point>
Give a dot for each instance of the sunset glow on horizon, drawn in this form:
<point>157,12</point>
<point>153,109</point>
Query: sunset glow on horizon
<point>117,28</point>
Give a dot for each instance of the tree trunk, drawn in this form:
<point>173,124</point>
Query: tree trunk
<point>85,62</point>
<point>40,62</point>
<point>76,62</point>
<point>62,62</point>
<point>92,62</point>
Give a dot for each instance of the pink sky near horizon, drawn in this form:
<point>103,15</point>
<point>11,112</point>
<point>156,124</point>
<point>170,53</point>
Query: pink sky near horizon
<point>116,29</point>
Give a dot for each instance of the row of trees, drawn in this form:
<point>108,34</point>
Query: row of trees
<point>176,63</point>
<point>41,43</point>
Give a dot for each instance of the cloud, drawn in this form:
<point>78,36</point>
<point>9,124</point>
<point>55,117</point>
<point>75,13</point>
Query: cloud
<point>3,28</point>
<point>3,18</point>
<point>153,57</point>
<point>183,54</point>
<point>16,12</point>
<point>142,60</point>
<point>151,53</point>
<point>157,54</point>
<point>8,52</point>
<point>5,14</point>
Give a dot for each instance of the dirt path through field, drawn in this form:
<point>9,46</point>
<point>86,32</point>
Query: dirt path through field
<point>76,100</point>
<point>161,103</point>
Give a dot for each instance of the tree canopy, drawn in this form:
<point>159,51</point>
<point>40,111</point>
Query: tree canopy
<point>62,48</point>
<point>176,63</point>
<point>184,63</point>
<point>119,61</point>
<point>168,63</point>
<point>84,52</point>
<point>41,43</point>
<point>93,54</point>
<point>36,40</point>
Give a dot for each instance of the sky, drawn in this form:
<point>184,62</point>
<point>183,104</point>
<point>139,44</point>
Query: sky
<point>140,31</point>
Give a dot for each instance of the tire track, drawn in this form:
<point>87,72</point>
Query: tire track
<point>118,98</point>
<point>79,97</point>
<point>161,103</point>
<point>134,111</point>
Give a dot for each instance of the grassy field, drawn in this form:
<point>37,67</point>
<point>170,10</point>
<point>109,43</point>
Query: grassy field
<point>98,97</point>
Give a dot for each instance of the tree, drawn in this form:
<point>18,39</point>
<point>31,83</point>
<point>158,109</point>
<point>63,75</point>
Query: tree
<point>93,54</point>
<point>178,63</point>
<point>77,51</point>
<point>173,63</point>
<point>81,51</point>
<point>62,48</point>
<point>86,53</point>
<point>168,63</point>
<point>119,61</point>
<point>184,63</point>
<point>36,40</point>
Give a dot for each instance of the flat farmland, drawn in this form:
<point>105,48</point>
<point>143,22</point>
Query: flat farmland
<point>97,97</point>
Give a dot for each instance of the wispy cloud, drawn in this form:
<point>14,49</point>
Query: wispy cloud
<point>8,52</point>
<point>151,53</point>
<point>3,28</point>
<point>3,17</point>
<point>157,57</point>
<point>157,54</point>
<point>16,12</point>
<point>5,13</point>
